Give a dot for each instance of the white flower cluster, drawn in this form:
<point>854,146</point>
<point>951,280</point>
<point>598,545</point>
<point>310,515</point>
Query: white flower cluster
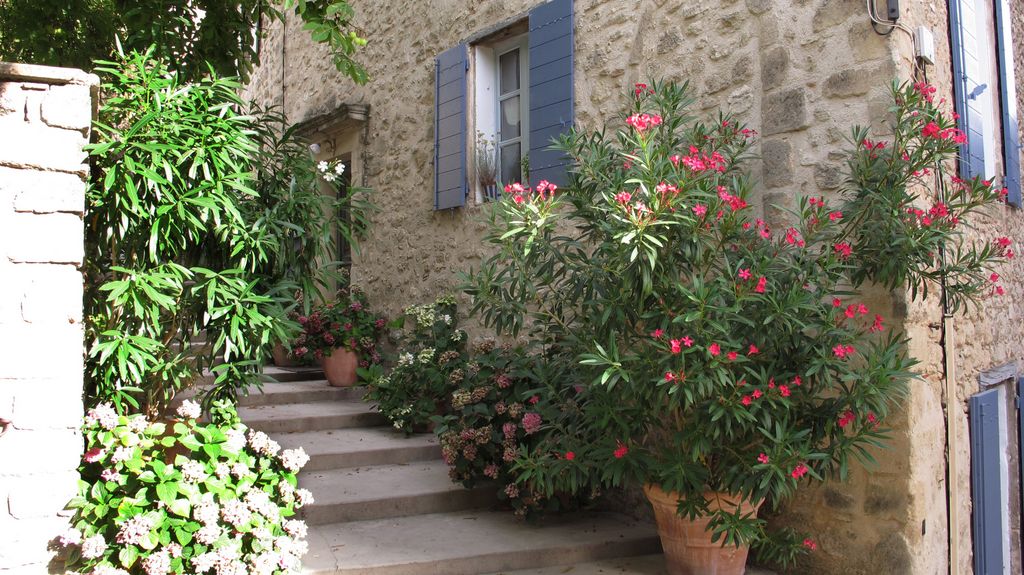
<point>294,459</point>
<point>121,453</point>
<point>258,501</point>
<point>425,315</point>
<point>236,512</point>
<point>190,410</point>
<point>108,570</point>
<point>158,563</point>
<point>94,546</point>
<point>135,530</point>
<point>235,441</point>
<point>425,356</point>
<point>104,415</point>
<point>447,319</point>
<point>458,335</point>
<point>193,471</point>
<point>137,424</point>
<point>330,173</point>
<point>261,443</point>
<point>405,359</point>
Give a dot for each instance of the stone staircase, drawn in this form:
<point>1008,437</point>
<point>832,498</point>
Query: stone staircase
<point>384,504</point>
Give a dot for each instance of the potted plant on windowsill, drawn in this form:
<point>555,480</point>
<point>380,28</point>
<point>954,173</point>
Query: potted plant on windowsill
<point>341,336</point>
<point>721,363</point>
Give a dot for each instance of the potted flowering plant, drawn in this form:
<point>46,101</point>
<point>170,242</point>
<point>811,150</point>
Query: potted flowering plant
<point>723,362</point>
<point>185,497</point>
<point>342,336</point>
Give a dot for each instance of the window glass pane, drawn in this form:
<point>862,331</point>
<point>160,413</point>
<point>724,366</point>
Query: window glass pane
<point>510,167</point>
<point>508,64</point>
<point>510,118</point>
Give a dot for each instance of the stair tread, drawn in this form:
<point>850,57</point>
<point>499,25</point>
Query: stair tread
<point>301,410</point>
<point>352,440</point>
<point>472,542</point>
<point>645,565</point>
<point>379,482</point>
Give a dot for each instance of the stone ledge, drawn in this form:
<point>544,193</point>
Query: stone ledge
<point>17,72</point>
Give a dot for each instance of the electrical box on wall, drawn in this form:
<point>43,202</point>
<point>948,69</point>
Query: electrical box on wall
<point>924,45</point>
<point>894,10</point>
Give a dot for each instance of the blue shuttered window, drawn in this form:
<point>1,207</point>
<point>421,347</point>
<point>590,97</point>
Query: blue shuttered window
<point>1008,101</point>
<point>986,487</point>
<point>551,88</point>
<point>450,185</point>
<point>968,84</point>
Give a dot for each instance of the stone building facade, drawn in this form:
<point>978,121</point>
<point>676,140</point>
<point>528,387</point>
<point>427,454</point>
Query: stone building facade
<point>801,72</point>
<point>45,118</point>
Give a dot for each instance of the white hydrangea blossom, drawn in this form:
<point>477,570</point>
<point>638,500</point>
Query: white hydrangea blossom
<point>296,528</point>
<point>94,546</point>
<point>157,563</point>
<point>235,512</point>
<point>235,441</point>
<point>135,530</point>
<point>405,359</point>
<point>294,459</point>
<point>426,356</point>
<point>190,410</point>
<point>193,472</point>
<point>103,414</point>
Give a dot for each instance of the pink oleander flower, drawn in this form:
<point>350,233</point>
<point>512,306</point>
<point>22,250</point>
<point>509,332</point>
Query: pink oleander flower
<point>753,350</point>
<point>799,471</point>
<point>700,210</point>
<point>714,349</point>
<point>656,334</point>
<point>844,250</point>
<point>763,458</point>
<point>762,283</point>
<point>810,544</point>
<point>676,346</point>
<point>620,450</point>
<point>784,391</point>
<point>744,274</point>
<point>846,418</point>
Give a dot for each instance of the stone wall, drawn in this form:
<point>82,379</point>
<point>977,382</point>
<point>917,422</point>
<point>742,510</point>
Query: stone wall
<point>802,72</point>
<point>45,116</point>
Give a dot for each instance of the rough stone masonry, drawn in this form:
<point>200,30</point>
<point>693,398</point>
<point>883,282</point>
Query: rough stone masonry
<point>45,118</point>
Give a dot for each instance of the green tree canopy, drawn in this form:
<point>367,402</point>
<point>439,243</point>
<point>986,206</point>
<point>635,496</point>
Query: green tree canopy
<point>191,35</point>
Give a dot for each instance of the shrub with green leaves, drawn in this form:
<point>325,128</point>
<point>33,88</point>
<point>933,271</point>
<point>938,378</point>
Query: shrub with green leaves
<point>511,409</point>
<point>178,496</point>
<point>716,351</point>
<point>431,363</point>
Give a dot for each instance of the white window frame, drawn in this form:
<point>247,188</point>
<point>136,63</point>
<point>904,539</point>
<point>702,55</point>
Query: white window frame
<point>487,98</point>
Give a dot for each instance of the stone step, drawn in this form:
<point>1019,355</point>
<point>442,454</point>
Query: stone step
<point>470,543</point>
<point>299,373</point>
<point>382,491</point>
<point>646,565</point>
<point>308,391</point>
<point>312,416</point>
<point>360,447</point>
<point>272,373</point>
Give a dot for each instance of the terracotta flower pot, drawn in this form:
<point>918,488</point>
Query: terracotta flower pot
<point>340,367</point>
<point>687,543</point>
<point>281,356</point>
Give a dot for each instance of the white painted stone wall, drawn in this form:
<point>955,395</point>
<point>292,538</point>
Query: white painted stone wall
<point>45,116</point>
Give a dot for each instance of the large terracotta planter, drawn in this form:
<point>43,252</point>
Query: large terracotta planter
<point>340,367</point>
<point>687,543</point>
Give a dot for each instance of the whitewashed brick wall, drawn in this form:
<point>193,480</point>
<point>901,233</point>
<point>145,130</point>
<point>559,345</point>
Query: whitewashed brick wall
<point>45,116</point>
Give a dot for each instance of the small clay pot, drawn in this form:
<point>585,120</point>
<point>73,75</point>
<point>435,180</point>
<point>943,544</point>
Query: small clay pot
<point>340,367</point>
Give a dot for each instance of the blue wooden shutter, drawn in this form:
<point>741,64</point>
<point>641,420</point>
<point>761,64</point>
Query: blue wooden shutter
<point>986,499</point>
<point>1008,97</point>
<point>450,185</point>
<point>968,85</point>
<point>551,88</point>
